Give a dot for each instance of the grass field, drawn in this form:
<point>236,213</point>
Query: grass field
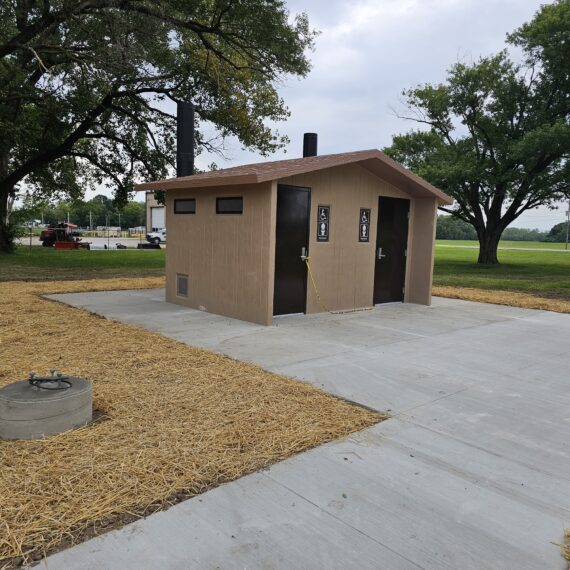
<point>542,273</point>
<point>41,264</point>
<point>505,244</point>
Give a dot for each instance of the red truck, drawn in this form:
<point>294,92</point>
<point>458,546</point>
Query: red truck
<point>62,236</point>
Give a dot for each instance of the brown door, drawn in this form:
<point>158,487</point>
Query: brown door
<point>391,246</point>
<point>291,242</point>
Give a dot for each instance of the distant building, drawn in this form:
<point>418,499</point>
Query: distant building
<point>155,218</point>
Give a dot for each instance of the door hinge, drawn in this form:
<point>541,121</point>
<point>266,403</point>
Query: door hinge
<point>406,253</point>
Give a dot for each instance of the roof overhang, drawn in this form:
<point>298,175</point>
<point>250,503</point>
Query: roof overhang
<point>373,160</point>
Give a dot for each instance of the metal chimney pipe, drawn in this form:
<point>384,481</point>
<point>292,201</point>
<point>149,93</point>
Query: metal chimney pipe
<point>309,144</point>
<point>184,139</point>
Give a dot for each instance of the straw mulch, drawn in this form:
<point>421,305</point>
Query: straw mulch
<point>511,298</point>
<point>176,421</point>
<point>566,546</point>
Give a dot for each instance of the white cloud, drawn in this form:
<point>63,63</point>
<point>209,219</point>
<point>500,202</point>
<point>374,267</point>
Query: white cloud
<point>368,52</point>
<point>371,50</point>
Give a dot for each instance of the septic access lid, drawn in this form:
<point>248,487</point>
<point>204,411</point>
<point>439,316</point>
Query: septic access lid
<point>28,411</point>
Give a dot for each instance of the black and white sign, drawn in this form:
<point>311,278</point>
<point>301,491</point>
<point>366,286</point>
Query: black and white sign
<point>323,222</point>
<point>364,225</point>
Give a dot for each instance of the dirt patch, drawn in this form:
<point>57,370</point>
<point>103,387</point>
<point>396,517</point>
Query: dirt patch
<point>177,421</point>
<point>566,546</point>
<point>511,298</point>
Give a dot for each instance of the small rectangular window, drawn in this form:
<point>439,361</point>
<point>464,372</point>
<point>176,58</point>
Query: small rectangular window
<point>232,205</point>
<point>181,285</point>
<point>185,206</point>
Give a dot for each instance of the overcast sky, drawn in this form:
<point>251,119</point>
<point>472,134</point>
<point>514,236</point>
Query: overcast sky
<point>367,53</point>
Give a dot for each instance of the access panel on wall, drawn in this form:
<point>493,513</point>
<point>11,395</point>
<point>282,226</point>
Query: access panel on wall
<point>291,249</point>
<point>391,246</point>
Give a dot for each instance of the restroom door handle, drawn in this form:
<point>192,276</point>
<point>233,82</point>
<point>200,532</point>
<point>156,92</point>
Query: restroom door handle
<point>379,254</point>
<point>304,254</point>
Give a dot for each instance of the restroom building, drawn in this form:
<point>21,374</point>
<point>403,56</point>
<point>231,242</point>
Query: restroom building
<point>239,239</point>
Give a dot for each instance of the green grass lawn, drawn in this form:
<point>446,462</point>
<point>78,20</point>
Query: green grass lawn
<point>41,263</point>
<point>540,272</point>
<point>515,244</point>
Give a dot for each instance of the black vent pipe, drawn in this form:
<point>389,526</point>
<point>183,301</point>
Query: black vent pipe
<point>309,144</point>
<point>184,139</point>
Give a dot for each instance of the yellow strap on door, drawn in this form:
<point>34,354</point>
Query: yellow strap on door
<point>319,298</point>
<point>317,292</point>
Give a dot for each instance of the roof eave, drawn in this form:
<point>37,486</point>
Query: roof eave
<point>365,158</point>
<point>188,182</point>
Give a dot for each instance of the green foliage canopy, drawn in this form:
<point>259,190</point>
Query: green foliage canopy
<point>496,134</point>
<point>453,228</point>
<point>83,86</point>
<point>83,213</point>
<point>450,227</point>
<point>558,233</point>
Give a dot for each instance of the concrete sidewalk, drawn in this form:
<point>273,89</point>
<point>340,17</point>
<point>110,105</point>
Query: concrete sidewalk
<point>472,472</point>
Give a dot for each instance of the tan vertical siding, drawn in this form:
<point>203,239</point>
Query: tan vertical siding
<point>227,257</point>
<point>230,259</point>
<point>421,251</point>
<point>343,267</point>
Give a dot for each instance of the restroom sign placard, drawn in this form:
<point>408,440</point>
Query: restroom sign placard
<point>364,225</point>
<point>323,222</point>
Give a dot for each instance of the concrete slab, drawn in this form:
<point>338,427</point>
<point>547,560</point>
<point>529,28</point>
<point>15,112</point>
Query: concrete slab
<point>472,471</point>
<point>279,529</point>
<point>433,509</point>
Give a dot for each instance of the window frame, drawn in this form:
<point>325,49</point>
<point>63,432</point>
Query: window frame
<point>219,198</point>
<point>177,200</point>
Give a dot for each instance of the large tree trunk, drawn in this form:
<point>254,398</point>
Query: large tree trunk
<point>6,201</point>
<point>488,245</point>
<point>6,241</point>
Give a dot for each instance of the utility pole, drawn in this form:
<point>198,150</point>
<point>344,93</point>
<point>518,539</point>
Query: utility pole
<point>90,221</point>
<point>567,224</point>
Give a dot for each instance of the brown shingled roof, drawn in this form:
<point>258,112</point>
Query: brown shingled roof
<point>372,160</point>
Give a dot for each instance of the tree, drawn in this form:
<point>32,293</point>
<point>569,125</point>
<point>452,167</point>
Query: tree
<point>449,227</point>
<point>523,234</point>
<point>93,212</point>
<point>496,134</point>
<point>557,233</point>
<point>132,214</point>
<point>83,86</point>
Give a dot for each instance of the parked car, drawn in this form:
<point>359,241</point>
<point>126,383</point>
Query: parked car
<point>156,237</point>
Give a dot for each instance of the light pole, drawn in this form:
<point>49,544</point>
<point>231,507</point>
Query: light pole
<point>567,224</point>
